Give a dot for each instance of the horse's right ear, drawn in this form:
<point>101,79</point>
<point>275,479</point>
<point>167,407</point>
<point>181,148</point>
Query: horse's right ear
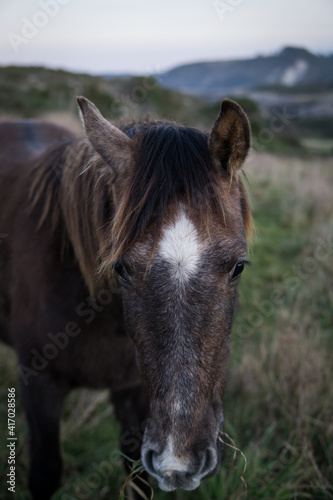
<point>109,141</point>
<point>230,138</point>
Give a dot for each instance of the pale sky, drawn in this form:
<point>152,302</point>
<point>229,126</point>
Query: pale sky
<point>147,36</point>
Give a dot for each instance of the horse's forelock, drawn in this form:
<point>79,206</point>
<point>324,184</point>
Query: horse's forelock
<point>173,164</point>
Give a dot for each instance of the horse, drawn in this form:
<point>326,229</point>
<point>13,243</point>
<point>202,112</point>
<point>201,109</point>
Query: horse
<point>119,270</point>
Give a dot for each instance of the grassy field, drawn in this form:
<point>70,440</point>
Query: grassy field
<point>279,402</point>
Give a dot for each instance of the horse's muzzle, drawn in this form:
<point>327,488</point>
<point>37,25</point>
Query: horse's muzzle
<point>174,472</point>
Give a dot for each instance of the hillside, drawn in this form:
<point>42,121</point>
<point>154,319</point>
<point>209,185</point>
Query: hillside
<point>27,92</point>
<point>294,82</point>
<point>290,68</point>
<point>31,91</point>
<point>36,91</point>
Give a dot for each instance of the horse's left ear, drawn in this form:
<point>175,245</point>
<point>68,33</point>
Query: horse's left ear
<point>109,141</point>
<point>230,138</point>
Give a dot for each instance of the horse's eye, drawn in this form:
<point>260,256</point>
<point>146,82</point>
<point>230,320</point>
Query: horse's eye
<point>238,270</point>
<point>121,271</point>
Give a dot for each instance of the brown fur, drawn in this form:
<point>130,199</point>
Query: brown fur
<point>72,209</point>
<point>98,241</point>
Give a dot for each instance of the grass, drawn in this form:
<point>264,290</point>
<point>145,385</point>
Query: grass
<point>279,401</point>
<point>316,145</point>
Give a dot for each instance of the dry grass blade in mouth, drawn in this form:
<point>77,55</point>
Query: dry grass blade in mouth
<point>234,447</point>
<point>136,471</point>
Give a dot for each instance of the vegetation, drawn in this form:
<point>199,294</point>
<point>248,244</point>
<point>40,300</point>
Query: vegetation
<point>278,405</point>
<point>39,92</point>
<point>279,401</point>
<point>31,91</point>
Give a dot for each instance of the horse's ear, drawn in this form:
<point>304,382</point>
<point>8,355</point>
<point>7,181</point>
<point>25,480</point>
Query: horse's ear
<point>230,138</point>
<point>109,141</point>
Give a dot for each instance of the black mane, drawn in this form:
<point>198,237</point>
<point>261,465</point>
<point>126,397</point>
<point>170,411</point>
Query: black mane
<point>173,162</point>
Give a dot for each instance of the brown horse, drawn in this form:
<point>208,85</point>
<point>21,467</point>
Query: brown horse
<point>120,270</point>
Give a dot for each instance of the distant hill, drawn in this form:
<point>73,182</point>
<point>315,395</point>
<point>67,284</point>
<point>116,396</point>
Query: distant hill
<point>37,91</point>
<point>292,67</point>
<point>29,91</point>
<point>288,117</point>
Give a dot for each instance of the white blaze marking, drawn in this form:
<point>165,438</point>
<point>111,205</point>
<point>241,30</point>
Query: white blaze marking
<point>168,460</point>
<point>176,407</point>
<point>180,246</point>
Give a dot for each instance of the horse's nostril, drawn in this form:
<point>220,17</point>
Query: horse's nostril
<point>147,460</point>
<point>209,463</point>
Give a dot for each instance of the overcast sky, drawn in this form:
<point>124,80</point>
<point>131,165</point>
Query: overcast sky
<point>107,36</point>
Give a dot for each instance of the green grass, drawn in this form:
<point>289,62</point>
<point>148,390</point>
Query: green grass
<point>319,145</point>
<point>279,401</point>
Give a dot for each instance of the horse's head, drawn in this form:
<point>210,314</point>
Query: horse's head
<point>178,249</point>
